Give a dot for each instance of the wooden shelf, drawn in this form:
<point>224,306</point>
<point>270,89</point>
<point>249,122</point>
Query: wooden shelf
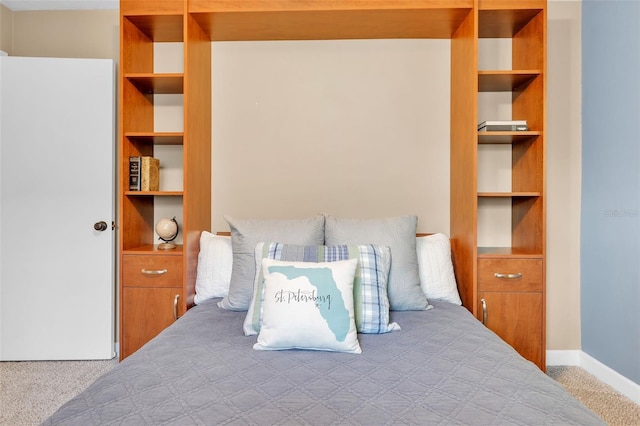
<point>158,28</point>
<point>154,193</point>
<point>157,83</point>
<point>519,194</point>
<point>506,137</point>
<point>505,80</point>
<point>497,20</point>
<point>148,306</point>
<point>156,138</point>
<point>153,249</point>
<point>507,252</point>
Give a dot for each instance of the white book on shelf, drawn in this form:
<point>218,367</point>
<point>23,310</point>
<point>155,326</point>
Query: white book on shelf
<point>503,125</point>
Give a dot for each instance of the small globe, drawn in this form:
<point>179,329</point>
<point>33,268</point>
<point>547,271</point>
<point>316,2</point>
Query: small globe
<point>167,229</point>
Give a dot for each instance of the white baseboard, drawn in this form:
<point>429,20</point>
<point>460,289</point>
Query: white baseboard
<point>603,373</point>
<point>564,357</point>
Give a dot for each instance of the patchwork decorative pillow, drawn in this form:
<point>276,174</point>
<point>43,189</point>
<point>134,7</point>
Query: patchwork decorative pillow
<point>371,304</point>
<point>399,234</point>
<point>213,273</point>
<point>437,278</point>
<point>308,306</point>
<point>245,234</point>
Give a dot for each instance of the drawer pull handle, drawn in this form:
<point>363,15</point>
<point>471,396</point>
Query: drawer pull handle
<point>153,271</point>
<point>508,276</point>
<point>175,307</point>
<point>484,311</point>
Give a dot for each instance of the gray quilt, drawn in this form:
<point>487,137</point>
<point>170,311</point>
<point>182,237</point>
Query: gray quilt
<point>443,367</point>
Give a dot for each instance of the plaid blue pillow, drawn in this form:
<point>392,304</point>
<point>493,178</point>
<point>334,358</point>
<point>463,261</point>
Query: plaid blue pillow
<point>371,303</point>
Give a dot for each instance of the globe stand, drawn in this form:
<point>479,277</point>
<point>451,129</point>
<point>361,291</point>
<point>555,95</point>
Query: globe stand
<point>167,231</point>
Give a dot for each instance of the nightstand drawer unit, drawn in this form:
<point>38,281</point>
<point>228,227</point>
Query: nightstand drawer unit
<point>510,274</point>
<point>151,271</point>
<point>151,299</point>
<point>511,303</point>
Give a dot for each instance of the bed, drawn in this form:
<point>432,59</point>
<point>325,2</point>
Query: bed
<point>443,367</point>
<point>431,365</point>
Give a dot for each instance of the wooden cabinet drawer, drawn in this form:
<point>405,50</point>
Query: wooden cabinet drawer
<point>510,274</point>
<point>151,271</point>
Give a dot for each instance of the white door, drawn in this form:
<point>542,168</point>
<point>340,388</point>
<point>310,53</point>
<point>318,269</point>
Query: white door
<point>56,182</point>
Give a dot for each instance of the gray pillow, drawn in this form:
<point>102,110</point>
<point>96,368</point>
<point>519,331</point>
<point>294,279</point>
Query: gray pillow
<point>246,234</point>
<point>399,233</point>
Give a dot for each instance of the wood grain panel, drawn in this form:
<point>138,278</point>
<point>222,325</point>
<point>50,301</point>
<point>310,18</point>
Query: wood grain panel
<point>157,83</point>
<point>160,28</point>
<point>136,114</point>
<point>155,138</point>
<point>464,158</point>
<point>148,7</point>
<point>503,23</point>
<point>527,224</point>
<point>199,6</point>
<point>505,80</point>
<point>136,223</point>
<point>506,137</point>
<point>529,170</point>
<point>145,313</point>
<point>518,319</point>
<point>161,270</point>
<point>136,52</point>
<point>326,25</point>
<point>197,148</point>
<point>529,269</point>
<point>329,19</point>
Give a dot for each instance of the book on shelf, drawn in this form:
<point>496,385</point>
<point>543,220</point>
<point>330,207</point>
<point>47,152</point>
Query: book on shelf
<point>144,173</point>
<point>134,173</point>
<point>503,126</point>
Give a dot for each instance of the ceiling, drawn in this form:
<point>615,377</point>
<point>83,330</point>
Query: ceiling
<point>22,5</point>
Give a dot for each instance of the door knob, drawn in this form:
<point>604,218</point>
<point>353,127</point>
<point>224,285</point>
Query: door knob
<point>100,226</point>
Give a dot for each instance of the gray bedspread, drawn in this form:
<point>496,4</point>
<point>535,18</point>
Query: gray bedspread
<point>443,367</point>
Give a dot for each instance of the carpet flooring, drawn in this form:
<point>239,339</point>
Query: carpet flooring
<point>32,391</point>
<point>602,399</point>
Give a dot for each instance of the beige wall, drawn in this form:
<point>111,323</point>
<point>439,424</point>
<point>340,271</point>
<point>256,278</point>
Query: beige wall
<point>352,128</point>
<point>71,34</point>
<point>564,168</point>
<point>420,85</point>
<point>6,29</point>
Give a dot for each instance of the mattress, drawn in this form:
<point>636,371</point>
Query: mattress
<point>443,367</point>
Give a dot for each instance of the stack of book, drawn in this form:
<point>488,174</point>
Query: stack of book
<point>144,173</point>
<point>503,126</point>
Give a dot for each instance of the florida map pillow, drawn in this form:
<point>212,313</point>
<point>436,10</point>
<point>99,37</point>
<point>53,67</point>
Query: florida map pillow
<point>308,306</point>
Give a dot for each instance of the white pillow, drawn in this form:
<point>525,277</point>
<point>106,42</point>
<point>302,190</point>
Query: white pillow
<point>213,273</point>
<point>437,279</point>
<point>308,306</point>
